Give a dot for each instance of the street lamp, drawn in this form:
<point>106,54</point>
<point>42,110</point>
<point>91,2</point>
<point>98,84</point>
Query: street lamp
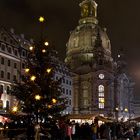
<point>116,113</point>
<point>116,108</point>
<point>126,110</point>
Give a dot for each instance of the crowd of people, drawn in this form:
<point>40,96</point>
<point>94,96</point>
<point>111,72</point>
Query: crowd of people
<point>66,130</point>
<point>86,131</point>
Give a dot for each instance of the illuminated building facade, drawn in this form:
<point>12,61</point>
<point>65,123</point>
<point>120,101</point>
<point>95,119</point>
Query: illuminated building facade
<point>13,51</point>
<point>63,73</point>
<point>89,57</point>
<point>124,86</point>
<point>13,54</point>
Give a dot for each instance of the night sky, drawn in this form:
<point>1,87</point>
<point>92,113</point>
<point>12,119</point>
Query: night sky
<point>120,17</point>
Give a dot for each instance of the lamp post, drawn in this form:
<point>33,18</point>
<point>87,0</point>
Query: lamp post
<point>116,113</point>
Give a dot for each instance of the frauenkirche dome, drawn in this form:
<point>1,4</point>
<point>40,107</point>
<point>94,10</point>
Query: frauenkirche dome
<point>81,44</point>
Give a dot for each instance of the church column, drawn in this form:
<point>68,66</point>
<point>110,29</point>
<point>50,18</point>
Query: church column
<point>76,95</point>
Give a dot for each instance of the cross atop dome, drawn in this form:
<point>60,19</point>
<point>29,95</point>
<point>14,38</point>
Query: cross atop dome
<point>88,8</point>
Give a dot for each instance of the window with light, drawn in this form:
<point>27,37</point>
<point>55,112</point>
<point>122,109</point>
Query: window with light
<point>101,94</point>
<point>85,102</point>
<point>101,105</point>
<point>101,88</point>
<point>101,100</point>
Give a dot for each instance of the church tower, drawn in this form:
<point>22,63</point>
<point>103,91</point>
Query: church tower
<point>89,57</point>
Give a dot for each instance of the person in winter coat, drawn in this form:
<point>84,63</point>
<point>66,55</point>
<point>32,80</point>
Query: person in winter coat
<point>93,131</point>
<point>68,131</point>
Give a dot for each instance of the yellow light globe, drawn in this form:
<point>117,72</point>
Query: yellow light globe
<point>27,70</point>
<point>126,110</point>
<point>49,70</point>
<point>43,50</point>
<point>37,97</point>
<point>46,43</point>
<point>54,101</point>
<point>31,48</point>
<point>49,106</point>
<point>14,109</point>
<point>117,108</point>
<point>41,19</point>
<point>32,78</point>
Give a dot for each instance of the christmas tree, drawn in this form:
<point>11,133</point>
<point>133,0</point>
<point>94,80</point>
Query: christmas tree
<point>39,94</point>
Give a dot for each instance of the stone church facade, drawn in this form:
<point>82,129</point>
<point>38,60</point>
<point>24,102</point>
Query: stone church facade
<point>89,57</point>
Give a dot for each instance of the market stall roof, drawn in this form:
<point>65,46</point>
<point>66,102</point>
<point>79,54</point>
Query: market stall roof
<point>136,119</point>
<point>89,117</point>
<point>105,119</point>
<point>81,116</point>
<point>11,115</point>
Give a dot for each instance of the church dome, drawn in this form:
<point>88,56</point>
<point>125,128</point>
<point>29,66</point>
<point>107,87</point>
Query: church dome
<point>82,40</point>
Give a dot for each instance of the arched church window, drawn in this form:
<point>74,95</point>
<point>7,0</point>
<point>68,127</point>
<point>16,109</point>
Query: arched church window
<point>8,89</point>
<point>1,88</point>
<point>101,88</point>
<point>2,60</point>
<point>101,99</point>
<point>7,105</point>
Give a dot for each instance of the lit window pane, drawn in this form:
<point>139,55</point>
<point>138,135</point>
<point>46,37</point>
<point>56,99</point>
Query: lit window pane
<point>101,94</point>
<point>85,102</point>
<point>101,100</point>
<point>101,105</point>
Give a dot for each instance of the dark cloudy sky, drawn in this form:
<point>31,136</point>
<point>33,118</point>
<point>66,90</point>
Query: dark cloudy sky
<point>121,17</point>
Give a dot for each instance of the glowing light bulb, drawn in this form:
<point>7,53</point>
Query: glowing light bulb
<point>54,101</point>
<point>37,97</point>
<point>31,48</point>
<point>46,43</point>
<point>14,109</point>
<point>119,55</point>
<point>43,50</point>
<point>117,108</point>
<point>49,70</point>
<point>49,106</point>
<point>27,70</point>
<point>126,110</point>
<point>41,19</point>
<point>32,78</point>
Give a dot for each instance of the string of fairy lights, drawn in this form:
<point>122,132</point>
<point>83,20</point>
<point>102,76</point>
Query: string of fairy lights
<point>32,78</point>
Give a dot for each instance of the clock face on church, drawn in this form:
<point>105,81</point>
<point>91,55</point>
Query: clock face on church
<point>101,76</point>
